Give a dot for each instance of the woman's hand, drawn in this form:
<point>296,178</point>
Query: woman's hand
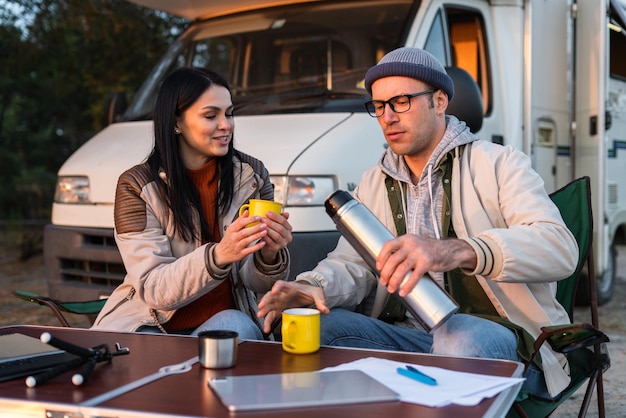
<point>239,241</point>
<point>278,235</point>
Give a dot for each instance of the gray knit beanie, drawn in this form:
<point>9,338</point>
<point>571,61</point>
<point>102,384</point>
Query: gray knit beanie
<point>411,62</point>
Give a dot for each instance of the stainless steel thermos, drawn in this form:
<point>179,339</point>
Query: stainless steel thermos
<point>427,302</point>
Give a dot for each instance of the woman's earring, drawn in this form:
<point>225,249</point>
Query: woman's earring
<point>177,131</point>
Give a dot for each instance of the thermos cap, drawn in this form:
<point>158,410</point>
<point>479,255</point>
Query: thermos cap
<point>336,201</point>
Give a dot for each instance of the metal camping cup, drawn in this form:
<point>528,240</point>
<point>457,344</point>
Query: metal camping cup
<point>218,348</point>
<point>427,302</point>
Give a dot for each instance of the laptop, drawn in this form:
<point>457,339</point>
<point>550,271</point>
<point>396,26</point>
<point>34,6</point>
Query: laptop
<point>22,355</point>
<point>295,390</point>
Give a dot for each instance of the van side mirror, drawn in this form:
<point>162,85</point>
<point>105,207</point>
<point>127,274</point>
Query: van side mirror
<point>114,108</point>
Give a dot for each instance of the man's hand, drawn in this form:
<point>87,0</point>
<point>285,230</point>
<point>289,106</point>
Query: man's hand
<point>421,255</point>
<point>289,295</point>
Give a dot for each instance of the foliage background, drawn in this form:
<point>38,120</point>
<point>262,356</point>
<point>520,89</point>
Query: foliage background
<point>59,62</point>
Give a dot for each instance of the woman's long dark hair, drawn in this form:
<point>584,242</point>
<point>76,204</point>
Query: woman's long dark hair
<point>178,92</point>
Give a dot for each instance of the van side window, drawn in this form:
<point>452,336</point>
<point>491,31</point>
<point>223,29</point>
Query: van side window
<point>436,42</point>
<point>464,30</point>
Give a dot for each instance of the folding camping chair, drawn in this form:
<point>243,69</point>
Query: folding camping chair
<point>582,343</point>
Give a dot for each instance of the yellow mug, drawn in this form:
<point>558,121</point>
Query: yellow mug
<point>258,207</point>
<point>301,330</point>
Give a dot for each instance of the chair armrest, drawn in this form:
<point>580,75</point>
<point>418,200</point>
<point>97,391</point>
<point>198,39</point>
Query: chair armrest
<point>87,307</point>
<point>42,300</point>
<point>567,338</point>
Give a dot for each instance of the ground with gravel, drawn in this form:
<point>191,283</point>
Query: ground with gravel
<point>29,275</point>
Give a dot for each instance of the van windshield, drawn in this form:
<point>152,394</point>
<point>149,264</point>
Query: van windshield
<point>305,58</point>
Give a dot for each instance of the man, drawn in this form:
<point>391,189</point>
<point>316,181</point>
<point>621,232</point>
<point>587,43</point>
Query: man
<point>477,219</point>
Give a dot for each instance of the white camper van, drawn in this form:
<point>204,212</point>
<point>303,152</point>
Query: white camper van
<point>551,74</point>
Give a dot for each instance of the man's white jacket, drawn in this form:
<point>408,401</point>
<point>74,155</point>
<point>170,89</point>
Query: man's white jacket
<point>500,206</point>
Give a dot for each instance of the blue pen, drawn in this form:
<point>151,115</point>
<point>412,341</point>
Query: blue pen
<point>412,373</point>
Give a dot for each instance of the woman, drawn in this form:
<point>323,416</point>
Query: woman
<point>191,263</point>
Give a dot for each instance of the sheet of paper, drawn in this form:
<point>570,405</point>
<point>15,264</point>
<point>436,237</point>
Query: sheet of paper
<point>452,386</point>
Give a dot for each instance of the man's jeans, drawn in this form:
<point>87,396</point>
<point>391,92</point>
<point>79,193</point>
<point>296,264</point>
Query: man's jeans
<point>460,336</point>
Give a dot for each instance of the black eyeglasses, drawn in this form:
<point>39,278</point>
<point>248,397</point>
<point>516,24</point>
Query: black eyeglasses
<point>399,104</point>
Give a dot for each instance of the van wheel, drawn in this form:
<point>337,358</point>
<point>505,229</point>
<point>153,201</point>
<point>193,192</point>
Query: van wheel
<point>605,283</point>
